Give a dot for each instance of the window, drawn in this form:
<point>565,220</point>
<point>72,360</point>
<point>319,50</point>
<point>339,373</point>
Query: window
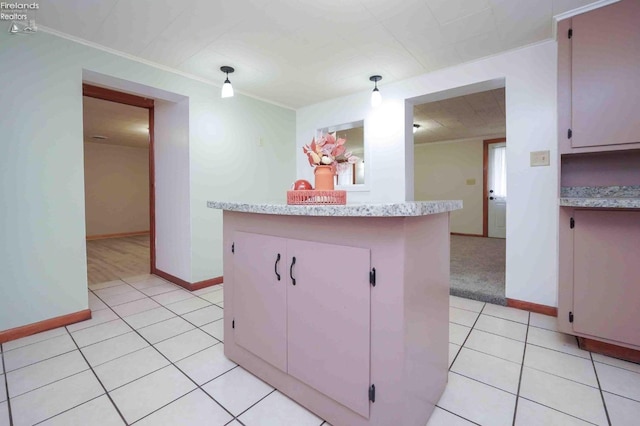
<point>498,170</point>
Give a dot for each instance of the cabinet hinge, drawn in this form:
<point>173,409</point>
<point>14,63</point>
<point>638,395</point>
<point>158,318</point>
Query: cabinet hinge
<point>569,133</point>
<point>372,277</point>
<point>372,393</point>
<point>233,323</point>
<point>570,316</point>
<point>570,33</point>
<point>233,247</point>
<point>572,223</point>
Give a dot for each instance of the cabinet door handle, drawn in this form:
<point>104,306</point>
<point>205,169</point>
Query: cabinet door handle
<point>293,262</point>
<point>275,267</point>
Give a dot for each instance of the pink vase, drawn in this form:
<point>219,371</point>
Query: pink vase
<point>324,178</point>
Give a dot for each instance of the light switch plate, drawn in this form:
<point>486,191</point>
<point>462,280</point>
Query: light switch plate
<point>471,181</point>
<point>539,158</point>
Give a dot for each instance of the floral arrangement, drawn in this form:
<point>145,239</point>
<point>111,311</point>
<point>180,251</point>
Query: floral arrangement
<point>329,151</point>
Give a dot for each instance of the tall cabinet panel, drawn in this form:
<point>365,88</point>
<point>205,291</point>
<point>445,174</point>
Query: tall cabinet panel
<point>329,320</point>
<point>605,67</point>
<point>606,270</point>
<point>260,297</point>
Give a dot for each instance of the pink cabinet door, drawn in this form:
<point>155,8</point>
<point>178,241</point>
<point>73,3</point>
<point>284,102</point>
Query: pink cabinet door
<point>259,300</point>
<point>329,320</point>
<point>606,75</point>
<point>607,274</point>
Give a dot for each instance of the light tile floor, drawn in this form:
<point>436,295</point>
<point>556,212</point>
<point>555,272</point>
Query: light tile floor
<point>153,355</point>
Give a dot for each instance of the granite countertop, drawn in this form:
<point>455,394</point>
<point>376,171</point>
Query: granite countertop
<point>606,197</point>
<point>408,208</point>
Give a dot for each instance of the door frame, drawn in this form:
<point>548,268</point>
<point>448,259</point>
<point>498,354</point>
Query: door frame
<point>485,172</point>
<point>141,102</point>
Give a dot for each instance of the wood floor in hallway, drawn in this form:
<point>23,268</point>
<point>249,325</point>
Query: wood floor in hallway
<point>114,258</point>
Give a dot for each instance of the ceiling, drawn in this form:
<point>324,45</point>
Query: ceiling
<point>300,52</point>
<point>122,124</point>
<point>475,115</point>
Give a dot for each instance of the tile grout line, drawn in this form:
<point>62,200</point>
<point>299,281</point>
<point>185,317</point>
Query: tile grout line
<point>480,381</point>
<point>42,360</point>
<point>558,411</point>
<point>150,345</point>
<point>467,337</point>
<point>134,330</point>
<point>557,350</point>
<point>198,328</point>
<point>68,409</point>
<point>257,402</point>
<point>6,386</point>
<point>34,343</point>
<point>456,357</point>
<point>492,355</point>
<point>495,317</point>
<point>492,333</point>
<point>622,396</point>
<point>55,381</point>
<point>604,404</point>
<point>533,368</point>
<point>172,364</point>
<point>618,367</point>
<point>98,379</point>
<point>457,415</point>
<point>524,353</point>
<point>120,318</point>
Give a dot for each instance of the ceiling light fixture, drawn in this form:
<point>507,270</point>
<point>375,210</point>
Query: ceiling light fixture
<point>376,97</point>
<point>227,89</point>
<point>415,127</point>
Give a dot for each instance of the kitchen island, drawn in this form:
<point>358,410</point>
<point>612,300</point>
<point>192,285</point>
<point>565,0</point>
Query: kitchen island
<point>345,309</point>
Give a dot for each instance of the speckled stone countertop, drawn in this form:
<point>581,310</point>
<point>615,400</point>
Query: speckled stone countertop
<point>409,208</point>
<point>606,197</point>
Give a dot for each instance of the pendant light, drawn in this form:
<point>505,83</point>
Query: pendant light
<point>415,127</point>
<point>227,88</point>
<point>376,97</point>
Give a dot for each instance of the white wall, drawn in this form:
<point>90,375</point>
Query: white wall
<point>116,188</point>
<point>172,189</point>
<point>41,168</point>
<point>529,75</point>
<point>441,171</point>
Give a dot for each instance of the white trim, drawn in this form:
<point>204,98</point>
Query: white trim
<point>150,63</point>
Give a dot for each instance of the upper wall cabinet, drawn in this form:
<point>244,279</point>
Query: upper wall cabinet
<point>599,79</point>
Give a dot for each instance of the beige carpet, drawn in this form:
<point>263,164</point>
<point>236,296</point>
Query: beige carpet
<point>477,268</point>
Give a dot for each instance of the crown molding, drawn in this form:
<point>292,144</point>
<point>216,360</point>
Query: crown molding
<point>152,64</point>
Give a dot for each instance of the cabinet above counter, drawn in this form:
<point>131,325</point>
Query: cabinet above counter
<point>598,76</point>
<point>604,197</point>
<point>403,209</point>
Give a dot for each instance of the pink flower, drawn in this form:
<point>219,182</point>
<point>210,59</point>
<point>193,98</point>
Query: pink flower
<point>327,150</point>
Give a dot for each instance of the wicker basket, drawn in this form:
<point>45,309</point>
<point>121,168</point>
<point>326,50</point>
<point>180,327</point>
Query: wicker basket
<point>316,197</point>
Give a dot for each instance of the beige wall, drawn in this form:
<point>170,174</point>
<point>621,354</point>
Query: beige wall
<point>441,171</point>
<point>116,189</point>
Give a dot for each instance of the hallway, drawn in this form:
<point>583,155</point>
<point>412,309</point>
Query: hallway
<point>114,258</point>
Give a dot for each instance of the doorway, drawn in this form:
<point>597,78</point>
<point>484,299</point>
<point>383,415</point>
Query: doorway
<point>119,184</point>
<point>459,153</point>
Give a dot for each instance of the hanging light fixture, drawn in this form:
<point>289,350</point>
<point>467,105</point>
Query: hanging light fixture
<point>415,127</point>
<point>376,97</point>
<point>227,88</point>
